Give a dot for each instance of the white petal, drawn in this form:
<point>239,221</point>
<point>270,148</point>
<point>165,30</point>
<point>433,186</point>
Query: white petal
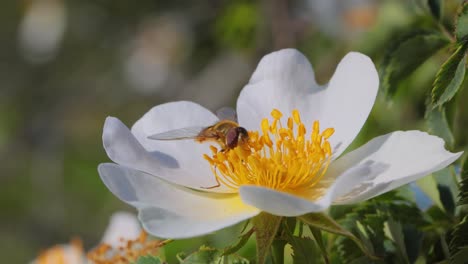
<point>122,225</point>
<point>285,204</point>
<point>407,157</point>
<point>189,154</point>
<point>285,80</point>
<point>171,211</point>
<point>123,148</point>
<point>349,98</point>
<point>288,65</point>
<point>280,203</point>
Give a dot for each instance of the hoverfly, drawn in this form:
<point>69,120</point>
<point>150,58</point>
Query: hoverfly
<point>226,133</point>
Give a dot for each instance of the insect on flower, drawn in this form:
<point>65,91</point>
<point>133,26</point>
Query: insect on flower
<point>226,132</point>
<point>287,168</point>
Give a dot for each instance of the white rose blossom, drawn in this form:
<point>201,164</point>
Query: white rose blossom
<point>291,166</point>
<point>123,227</point>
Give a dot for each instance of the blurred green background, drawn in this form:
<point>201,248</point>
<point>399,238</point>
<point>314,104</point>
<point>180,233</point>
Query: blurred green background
<point>66,65</point>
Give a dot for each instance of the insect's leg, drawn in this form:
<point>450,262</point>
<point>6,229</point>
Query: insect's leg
<point>217,181</point>
<point>214,186</point>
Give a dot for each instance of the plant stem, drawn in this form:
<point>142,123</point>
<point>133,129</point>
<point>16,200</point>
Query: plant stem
<point>445,32</point>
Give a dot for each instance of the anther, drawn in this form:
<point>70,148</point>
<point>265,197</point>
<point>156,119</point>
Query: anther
<point>276,114</point>
<point>296,116</point>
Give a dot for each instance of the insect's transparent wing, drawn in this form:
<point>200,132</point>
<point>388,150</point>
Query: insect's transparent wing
<point>176,134</point>
<point>227,113</point>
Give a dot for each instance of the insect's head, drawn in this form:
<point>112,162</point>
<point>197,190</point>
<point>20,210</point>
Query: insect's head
<point>236,135</point>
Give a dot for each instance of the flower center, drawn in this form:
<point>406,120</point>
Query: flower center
<point>280,157</point>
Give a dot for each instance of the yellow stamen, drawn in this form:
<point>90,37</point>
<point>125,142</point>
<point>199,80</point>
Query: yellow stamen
<point>280,158</point>
<point>296,117</point>
<point>276,114</point>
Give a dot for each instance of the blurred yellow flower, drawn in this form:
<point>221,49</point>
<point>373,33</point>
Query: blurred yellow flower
<point>123,243</point>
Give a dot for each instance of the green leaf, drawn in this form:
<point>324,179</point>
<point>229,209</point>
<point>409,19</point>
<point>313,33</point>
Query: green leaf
<point>319,239</point>
<point>450,77</point>
<point>437,124</point>
<point>207,255</point>
<point>413,242</point>
<point>429,186</point>
<point>242,241</point>
<point>325,223</point>
<point>459,241</point>
<point>148,260</point>
<point>435,6</point>
<point>461,256</point>
<point>367,221</point>
<point>447,178</point>
<point>438,216</point>
<point>363,234</point>
<point>203,255</point>
<point>348,251</point>
<point>461,25</point>
<point>446,198</point>
<point>304,250</point>
<point>463,195</point>
<point>277,250</point>
<point>464,169</point>
<point>406,54</point>
<point>396,233</point>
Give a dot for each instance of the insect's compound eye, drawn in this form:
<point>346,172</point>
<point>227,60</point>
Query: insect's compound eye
<point>242,133</point>
<point>232,138</point>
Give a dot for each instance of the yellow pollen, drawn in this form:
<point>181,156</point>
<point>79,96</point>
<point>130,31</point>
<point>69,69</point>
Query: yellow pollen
<point>279,157</point>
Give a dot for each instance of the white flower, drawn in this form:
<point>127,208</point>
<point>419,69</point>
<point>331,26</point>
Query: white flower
<point>122,226</point>
<point>123,242</point>
<point>71,253</point>
<point>168,180</point>
<point>122,229</point>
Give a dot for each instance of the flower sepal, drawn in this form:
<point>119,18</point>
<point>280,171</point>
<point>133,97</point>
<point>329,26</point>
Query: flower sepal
<point>266,228</point>
<point>243,239</point>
